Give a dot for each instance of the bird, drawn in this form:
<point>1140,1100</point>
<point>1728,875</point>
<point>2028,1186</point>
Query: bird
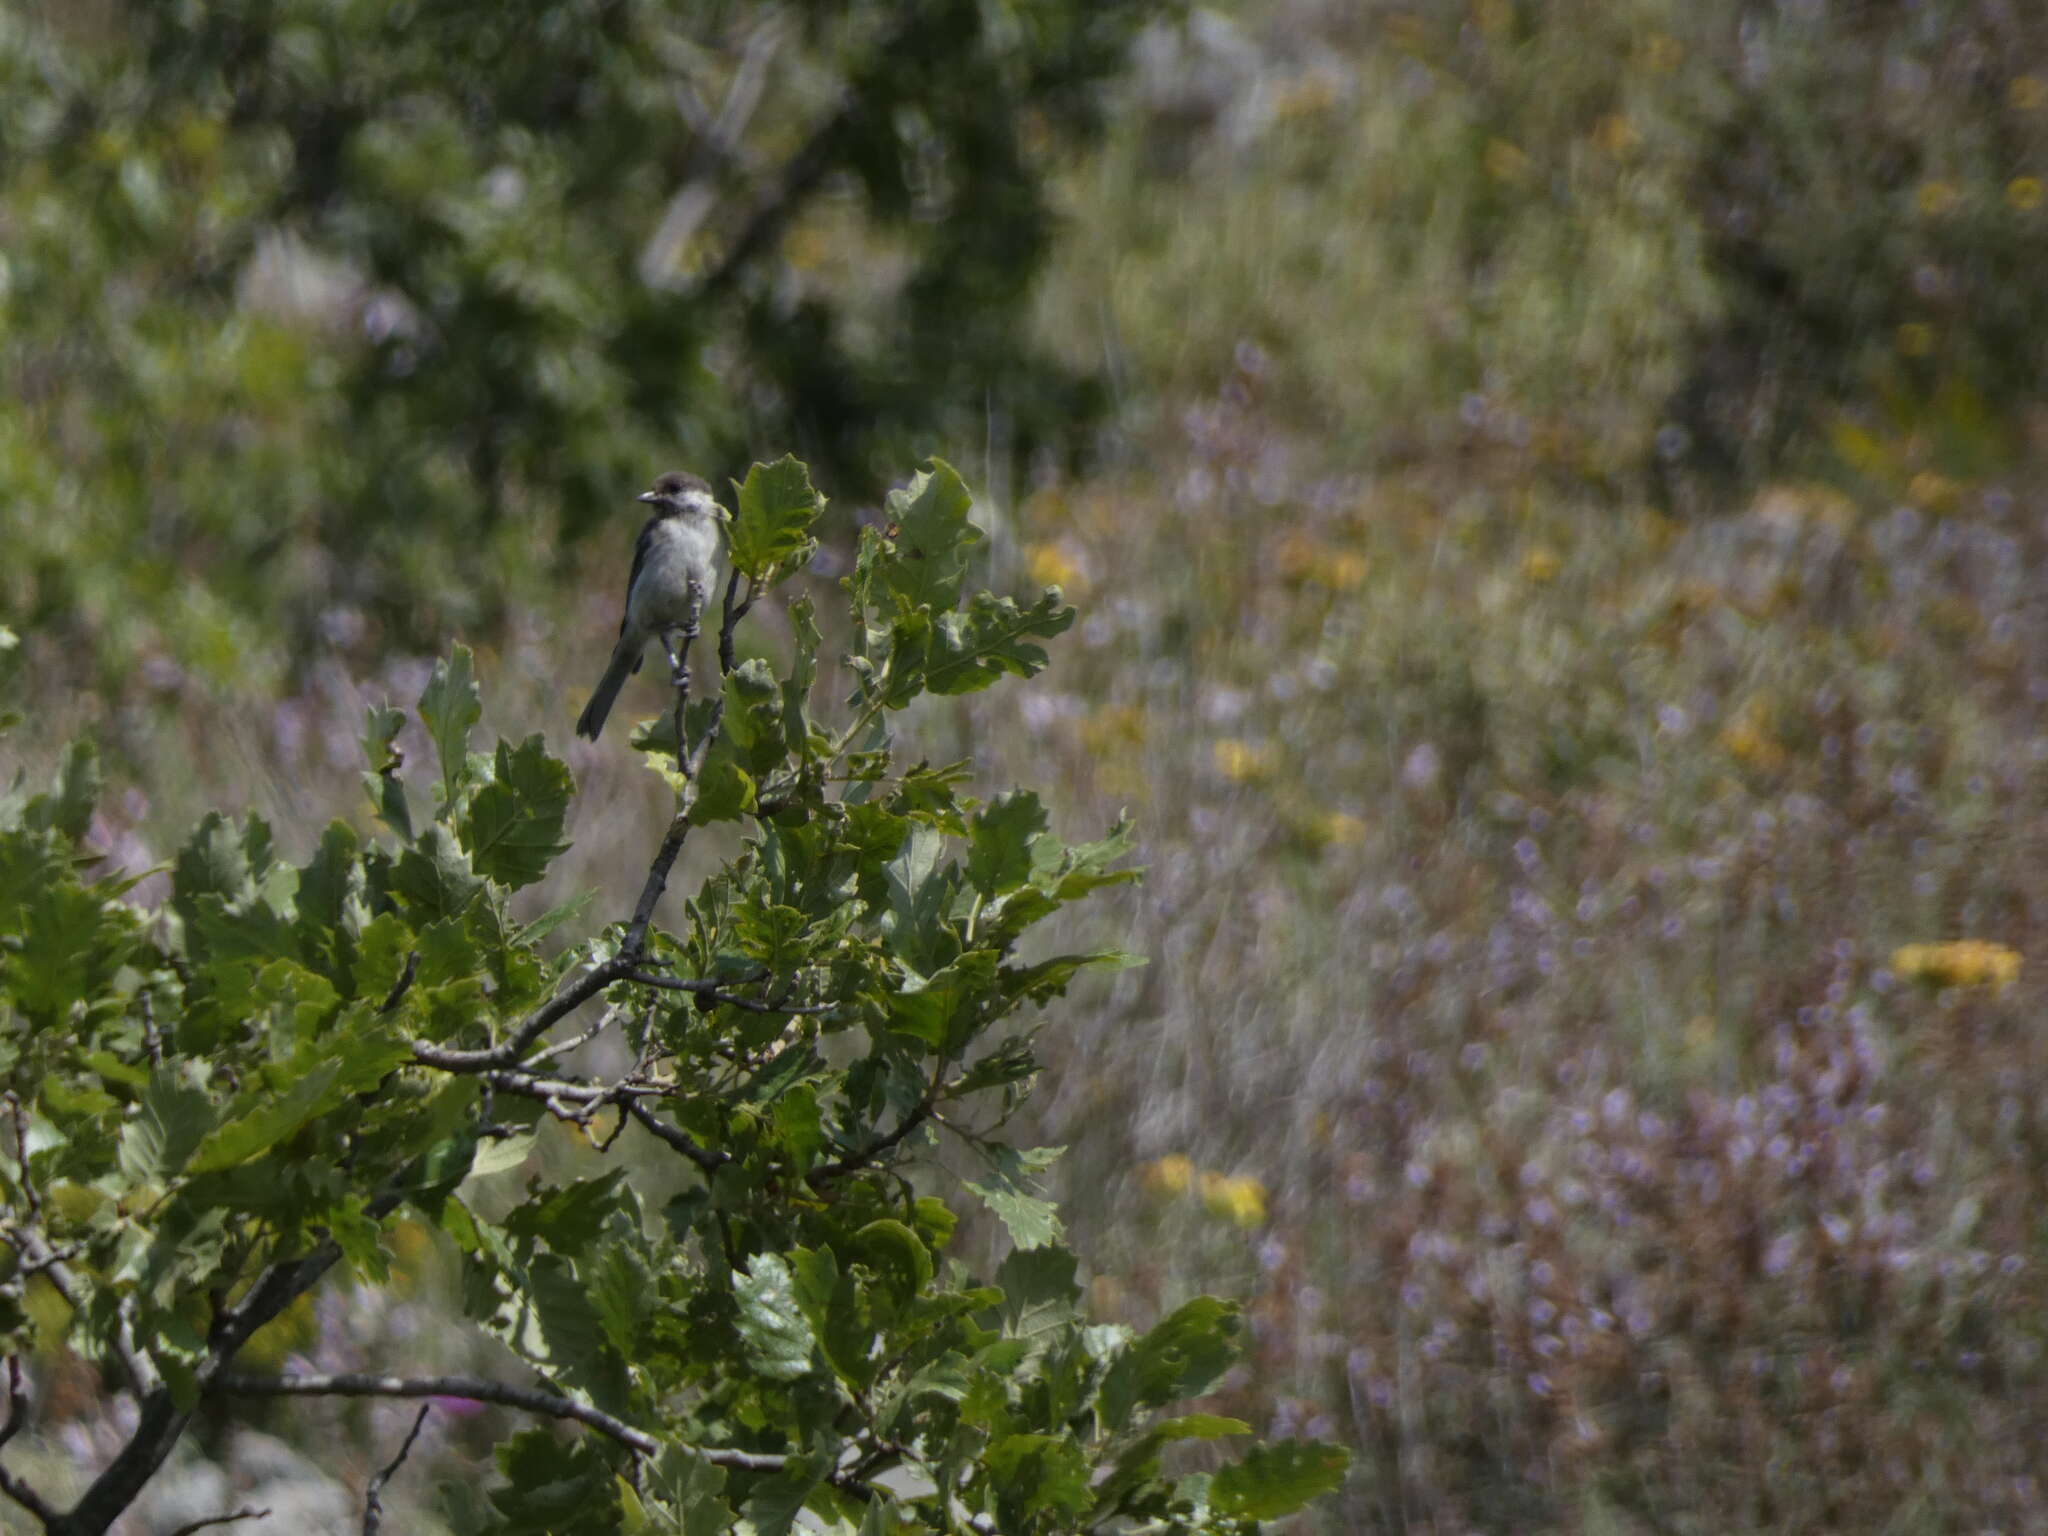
<point>675,567</point>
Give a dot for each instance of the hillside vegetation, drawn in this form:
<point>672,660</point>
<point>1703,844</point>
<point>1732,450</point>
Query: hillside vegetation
<point>1558,567</point>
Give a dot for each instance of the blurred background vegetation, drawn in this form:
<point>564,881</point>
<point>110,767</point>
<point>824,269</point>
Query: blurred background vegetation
<point>1553,495</point>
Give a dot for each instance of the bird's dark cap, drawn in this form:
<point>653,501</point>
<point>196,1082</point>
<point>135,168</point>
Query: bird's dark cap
<point>673,484</point>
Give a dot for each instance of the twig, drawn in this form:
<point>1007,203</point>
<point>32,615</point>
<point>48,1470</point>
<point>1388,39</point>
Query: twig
<point>404,982</point>
<point>562,1047</point>
<point>152,1038</point>
<point>240,1514</point>
<point>711,990</point>
<point>17,1410</point>
<point>39,1258</point>
<point>853,1162</point>
<point>706,1160</point>
<point>534,1025</point>
<point>477,1389</point>
<point>28,1185</point>
<point>373,1495</point>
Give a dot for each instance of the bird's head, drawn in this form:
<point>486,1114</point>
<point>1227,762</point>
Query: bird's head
<point>677,493</point>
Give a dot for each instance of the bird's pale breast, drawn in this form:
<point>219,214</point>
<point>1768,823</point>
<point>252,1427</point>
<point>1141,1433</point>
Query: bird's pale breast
<point>682,551</point>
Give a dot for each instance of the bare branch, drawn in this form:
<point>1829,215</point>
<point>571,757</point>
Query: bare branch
<point>477,1389</point>
<point>534,1025</point>
<point>373,1495</point>
<point>152,1037</point>
<point>210,1520</point>
<point>17,1410</point>
<point>706,1160</point>
<point>650,893</point>
<point>853,1162</point>
<point>561,1047</point>
<point>404,982</point>
<point>28,1186</point>
<point>711,990</point>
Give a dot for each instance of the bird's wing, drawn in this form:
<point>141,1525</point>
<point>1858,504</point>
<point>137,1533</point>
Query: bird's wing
<point>641,547</point>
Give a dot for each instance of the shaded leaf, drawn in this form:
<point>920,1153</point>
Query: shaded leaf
<point>1273,1481</point>
<point>970,649</point>
<point>513,824</point>
<point>776,506</point>
<point>927,556</point>
<point>451,705</point>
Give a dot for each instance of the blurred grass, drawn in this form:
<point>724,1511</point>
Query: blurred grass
<point>1561,601</point>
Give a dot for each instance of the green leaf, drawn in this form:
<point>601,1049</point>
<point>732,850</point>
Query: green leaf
<point>753,716</point>
<point>724,791</point>
<point>999,858</point>
<point>433,878</point>
<point>513,825</point>
<point>772,527</point>
<point>693,1489</point>
<point>1273,1481</point>
<point>381,725</point>
<point>777,1336</point>
<point>895,1253</point>
<point>971,649</point>
<point>1140,1461</point>
<point>1040,1293</point>
<point>570,1218</point>
<point>502,1154</point>
<point>331,883</point>
<point>927,557</point>
<point>920,892</point>
<point>577,1343</point>
<point>778,1499</point>
<point>553,918</point>
<point>269,1121</point>
<point>212,863</point>
<point>73,796</point>
<point>1183,1355</point>
<point>451,705</point>
<point>1035,1472</point>
<point>1031,1220</point>
<point>171,1120</point>
<point>803,673</point>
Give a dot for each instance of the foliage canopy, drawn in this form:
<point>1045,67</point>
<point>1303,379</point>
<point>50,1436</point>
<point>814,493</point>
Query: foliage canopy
<point>212,1110</point>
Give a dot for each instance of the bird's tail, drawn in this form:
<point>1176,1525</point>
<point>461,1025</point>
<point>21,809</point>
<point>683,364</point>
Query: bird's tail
<point>622,666</point>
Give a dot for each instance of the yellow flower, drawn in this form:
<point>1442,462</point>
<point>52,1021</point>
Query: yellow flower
<point>1936,493</point>
<point>2027,93</point>
<point>1915,339</point>
<point>1958,963</point>
<point>1241,762</point>
<point>1616,135</point>
<point>1170,1175</point>
<point>2023,193</point>
<point>1751,741</point>
<point>1051,566</point>
<point>1302,557</point>
<point>1342,829</point>
<point>1240,1200</point>
<point>1112,728</point>
<point>1541,565</point>
<point>1505,162</point>
<point>1936,198</point>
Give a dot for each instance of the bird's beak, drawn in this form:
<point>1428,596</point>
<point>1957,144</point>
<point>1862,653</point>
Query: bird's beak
<point>648,496</point>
